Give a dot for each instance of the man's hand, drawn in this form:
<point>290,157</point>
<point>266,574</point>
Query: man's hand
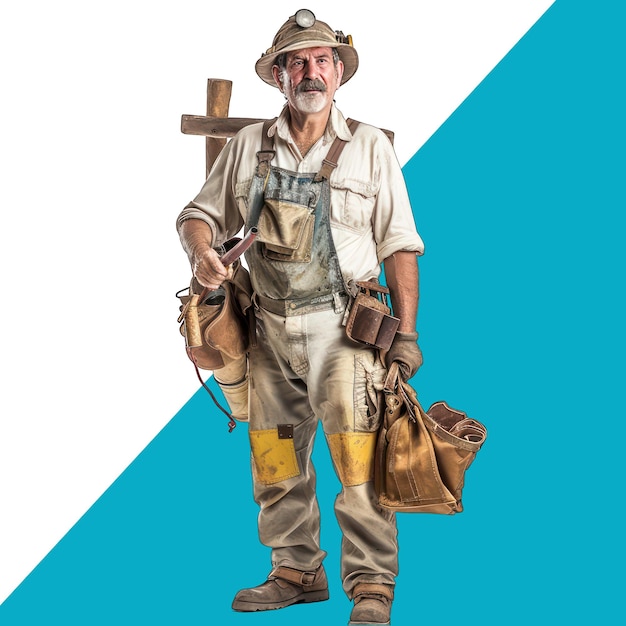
<point>209,269</point>
<point>405,351</point>
<point>196,237</point>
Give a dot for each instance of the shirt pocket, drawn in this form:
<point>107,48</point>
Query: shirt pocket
<point>352,205</point>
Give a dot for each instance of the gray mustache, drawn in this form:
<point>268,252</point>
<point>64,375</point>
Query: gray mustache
<point>310,85</point>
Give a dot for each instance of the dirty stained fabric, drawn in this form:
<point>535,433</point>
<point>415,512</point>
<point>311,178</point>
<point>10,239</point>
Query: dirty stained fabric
<point>314,240</point>
<point>305,370</point>
<point>370,214</point>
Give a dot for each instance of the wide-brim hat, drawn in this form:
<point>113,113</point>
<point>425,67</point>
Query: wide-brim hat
<point>301,31</point>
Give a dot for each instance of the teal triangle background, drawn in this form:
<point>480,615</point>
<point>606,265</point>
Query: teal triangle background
<point>520,199</point>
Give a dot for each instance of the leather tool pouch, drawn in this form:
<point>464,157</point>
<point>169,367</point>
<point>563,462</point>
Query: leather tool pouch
<point>369,318</point>
<point>286,231</point>
<point>422,456</point>
<point>218,329</point>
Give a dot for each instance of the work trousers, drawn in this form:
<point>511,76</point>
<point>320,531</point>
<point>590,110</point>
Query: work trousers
<point>305,370</point>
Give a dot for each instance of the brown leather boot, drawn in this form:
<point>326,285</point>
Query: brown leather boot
<point>372,604</point>
<point>284,586</point>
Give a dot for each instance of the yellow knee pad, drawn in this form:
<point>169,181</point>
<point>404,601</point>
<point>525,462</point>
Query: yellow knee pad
<point>274,455</point>
<point>353,456</point>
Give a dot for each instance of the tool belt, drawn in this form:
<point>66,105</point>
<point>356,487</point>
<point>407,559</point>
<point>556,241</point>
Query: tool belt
<point>369,318</point>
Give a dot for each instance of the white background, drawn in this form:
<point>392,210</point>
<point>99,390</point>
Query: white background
<point>94,172</point>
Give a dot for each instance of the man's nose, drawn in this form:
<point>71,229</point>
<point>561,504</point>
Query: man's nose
<point>310,71</point>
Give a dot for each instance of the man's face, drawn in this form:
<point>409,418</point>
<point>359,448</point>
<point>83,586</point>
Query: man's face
<point>310,79</point>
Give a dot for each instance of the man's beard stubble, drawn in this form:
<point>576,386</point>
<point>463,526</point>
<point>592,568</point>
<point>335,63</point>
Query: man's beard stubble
<point>309,96</point>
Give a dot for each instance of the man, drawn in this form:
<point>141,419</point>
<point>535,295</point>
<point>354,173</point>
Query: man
<point>323,226</point>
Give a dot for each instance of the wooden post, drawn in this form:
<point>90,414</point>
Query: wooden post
<point>217,102</point>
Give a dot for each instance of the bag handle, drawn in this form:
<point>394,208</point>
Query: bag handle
<point>395,384</point>
<point>391,381</point>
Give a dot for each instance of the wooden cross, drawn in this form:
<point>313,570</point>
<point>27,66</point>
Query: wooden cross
<point>216,126</point>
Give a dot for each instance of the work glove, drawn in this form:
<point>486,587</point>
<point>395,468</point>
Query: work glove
<point>406,353</point>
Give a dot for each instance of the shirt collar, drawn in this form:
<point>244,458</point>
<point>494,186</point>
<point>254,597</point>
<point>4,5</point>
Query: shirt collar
<point>336,127</point>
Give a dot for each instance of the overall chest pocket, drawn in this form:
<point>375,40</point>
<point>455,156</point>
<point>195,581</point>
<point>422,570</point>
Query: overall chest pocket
<point>286,231</point>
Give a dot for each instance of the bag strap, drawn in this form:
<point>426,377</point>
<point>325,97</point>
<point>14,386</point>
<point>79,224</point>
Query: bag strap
<point>231,421</point>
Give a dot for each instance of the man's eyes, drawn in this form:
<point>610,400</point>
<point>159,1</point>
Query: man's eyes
<point>321,61</point>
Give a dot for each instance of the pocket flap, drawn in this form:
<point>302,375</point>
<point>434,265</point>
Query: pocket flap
<point>283,224</point>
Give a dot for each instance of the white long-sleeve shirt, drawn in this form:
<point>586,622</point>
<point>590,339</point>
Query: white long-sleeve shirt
<point>371,215</point>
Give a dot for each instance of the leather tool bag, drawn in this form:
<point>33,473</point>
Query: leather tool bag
<point>216,324</point>
<point>369,318</point>
<point>218,327</point>
<point>421,457</point>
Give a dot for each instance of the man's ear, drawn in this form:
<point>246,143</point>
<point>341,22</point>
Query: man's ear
<point>340,68</point>
<point>276,74</point>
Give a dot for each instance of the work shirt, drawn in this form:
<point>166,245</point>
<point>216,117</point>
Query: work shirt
<point>371,216</point>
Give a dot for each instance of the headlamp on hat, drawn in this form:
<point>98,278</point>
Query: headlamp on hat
<point>303,30</point>
<point>304,18</point>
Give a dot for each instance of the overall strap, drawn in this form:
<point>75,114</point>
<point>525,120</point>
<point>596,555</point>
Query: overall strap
<point>332,158</point>
<point>267,152</point>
